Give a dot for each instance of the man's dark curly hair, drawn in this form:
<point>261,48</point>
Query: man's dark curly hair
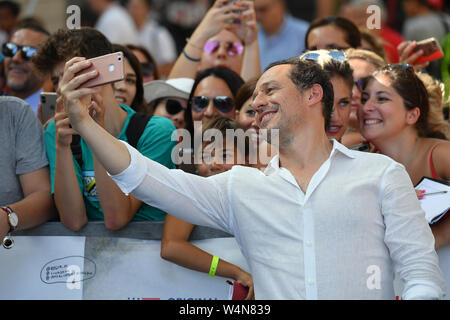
<point>66,44</point>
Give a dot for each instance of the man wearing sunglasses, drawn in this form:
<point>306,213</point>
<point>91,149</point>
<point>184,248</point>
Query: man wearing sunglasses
<point>22,80</point>
<point>302,226</point>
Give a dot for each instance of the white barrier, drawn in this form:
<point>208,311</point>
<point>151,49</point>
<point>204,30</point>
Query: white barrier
<point>89,267</point>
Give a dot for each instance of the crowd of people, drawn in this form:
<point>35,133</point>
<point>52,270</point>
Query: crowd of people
<point>340,124</point>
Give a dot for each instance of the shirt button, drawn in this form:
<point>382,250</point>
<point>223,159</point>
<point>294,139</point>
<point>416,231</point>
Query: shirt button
<point>310,282</point>
<point>309,243</point>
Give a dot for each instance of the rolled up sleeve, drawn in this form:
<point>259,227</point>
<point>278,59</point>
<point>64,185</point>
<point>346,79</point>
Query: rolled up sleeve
<point>198,200</point>
<point>409,237</point>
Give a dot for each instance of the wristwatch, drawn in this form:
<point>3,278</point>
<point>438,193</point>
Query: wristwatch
<point>13,219</point>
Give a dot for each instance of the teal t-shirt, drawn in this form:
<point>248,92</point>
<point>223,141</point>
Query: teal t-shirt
<point>154,143</point>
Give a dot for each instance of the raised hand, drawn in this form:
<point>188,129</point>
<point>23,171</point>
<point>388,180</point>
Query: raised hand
<point>63,130</point>
<point>404,51</point>
<point>221,15</point>
<point>247,30</point>
<point>77,100</point>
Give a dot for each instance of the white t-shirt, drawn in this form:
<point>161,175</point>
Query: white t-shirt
<point>158,41</point>
<point>117,25</point>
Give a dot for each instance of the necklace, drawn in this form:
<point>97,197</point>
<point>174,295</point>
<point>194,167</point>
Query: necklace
<point>413,152</point>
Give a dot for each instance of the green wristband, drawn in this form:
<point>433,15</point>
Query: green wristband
<point>213,268</point>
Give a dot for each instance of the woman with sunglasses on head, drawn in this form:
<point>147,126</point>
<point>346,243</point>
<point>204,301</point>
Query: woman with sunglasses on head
<point>227,36</point>
<point>394,118</point>
<point>340,73</point>
<point>332,33</point>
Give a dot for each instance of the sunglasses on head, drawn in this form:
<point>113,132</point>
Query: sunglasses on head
<point>9,50</point>
<point>173,107</point>
<point>335,55</point>
<point>232,48</point>
<point>400,66</point>
<point>222,103</point>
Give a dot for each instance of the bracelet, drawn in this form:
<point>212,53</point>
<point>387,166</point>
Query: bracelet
<point>214,263</point>
<point>190,58</point>
<point>187,42</point>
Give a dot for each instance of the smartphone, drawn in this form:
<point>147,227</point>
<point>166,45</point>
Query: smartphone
<point>110,69</point>
<point>431,50</point>
<point>237,21</point>
<point>237,291</point>
<point>48,105</point>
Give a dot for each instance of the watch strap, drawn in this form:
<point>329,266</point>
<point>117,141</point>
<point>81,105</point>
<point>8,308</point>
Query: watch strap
<point>8,211</point>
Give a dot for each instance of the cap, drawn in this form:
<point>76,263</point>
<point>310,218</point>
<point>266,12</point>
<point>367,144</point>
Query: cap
<point>171,88</point>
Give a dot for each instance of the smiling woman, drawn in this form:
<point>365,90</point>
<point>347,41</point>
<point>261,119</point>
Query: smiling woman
<point>394,117</point>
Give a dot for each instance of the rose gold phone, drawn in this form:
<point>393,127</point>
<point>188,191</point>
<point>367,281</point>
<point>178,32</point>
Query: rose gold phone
<point>110,69</point>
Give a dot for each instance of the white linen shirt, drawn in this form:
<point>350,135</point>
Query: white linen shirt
<point>358,223</point>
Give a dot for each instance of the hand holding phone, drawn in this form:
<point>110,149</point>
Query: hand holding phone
<point>109,67</point>
<point>431,50</point>
<point>237,291</point>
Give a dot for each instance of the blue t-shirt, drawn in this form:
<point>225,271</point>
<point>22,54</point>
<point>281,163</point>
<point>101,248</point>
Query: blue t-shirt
<point>288,42</point>
<point>154,143</point>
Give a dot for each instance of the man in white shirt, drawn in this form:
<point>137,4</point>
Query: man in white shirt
<point>321,222</point>
<point>114,22</point>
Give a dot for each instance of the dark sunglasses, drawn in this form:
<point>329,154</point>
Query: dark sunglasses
<point>10,49</point>
<point>173,107</point>
<point>232,48</point>
<point>222,103</point>
<point>148,69</point>
<point>335,55</point>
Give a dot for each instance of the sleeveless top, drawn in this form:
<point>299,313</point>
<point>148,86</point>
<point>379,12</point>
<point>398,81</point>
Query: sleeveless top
<point>433,171</point>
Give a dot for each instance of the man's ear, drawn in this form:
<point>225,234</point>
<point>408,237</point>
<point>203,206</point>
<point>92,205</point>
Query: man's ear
<point>314,94</point>
<point>412,116</point>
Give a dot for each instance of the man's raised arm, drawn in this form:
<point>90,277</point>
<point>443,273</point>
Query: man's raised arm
<point>111,153</point>
<point>195,199</point>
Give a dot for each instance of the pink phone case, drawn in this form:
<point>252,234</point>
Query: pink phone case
<point>110,69</point>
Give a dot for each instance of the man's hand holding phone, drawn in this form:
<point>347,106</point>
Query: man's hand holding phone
<point>77,100</point>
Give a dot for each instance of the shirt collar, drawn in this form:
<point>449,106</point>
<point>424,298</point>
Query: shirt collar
<point>274,164</point>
